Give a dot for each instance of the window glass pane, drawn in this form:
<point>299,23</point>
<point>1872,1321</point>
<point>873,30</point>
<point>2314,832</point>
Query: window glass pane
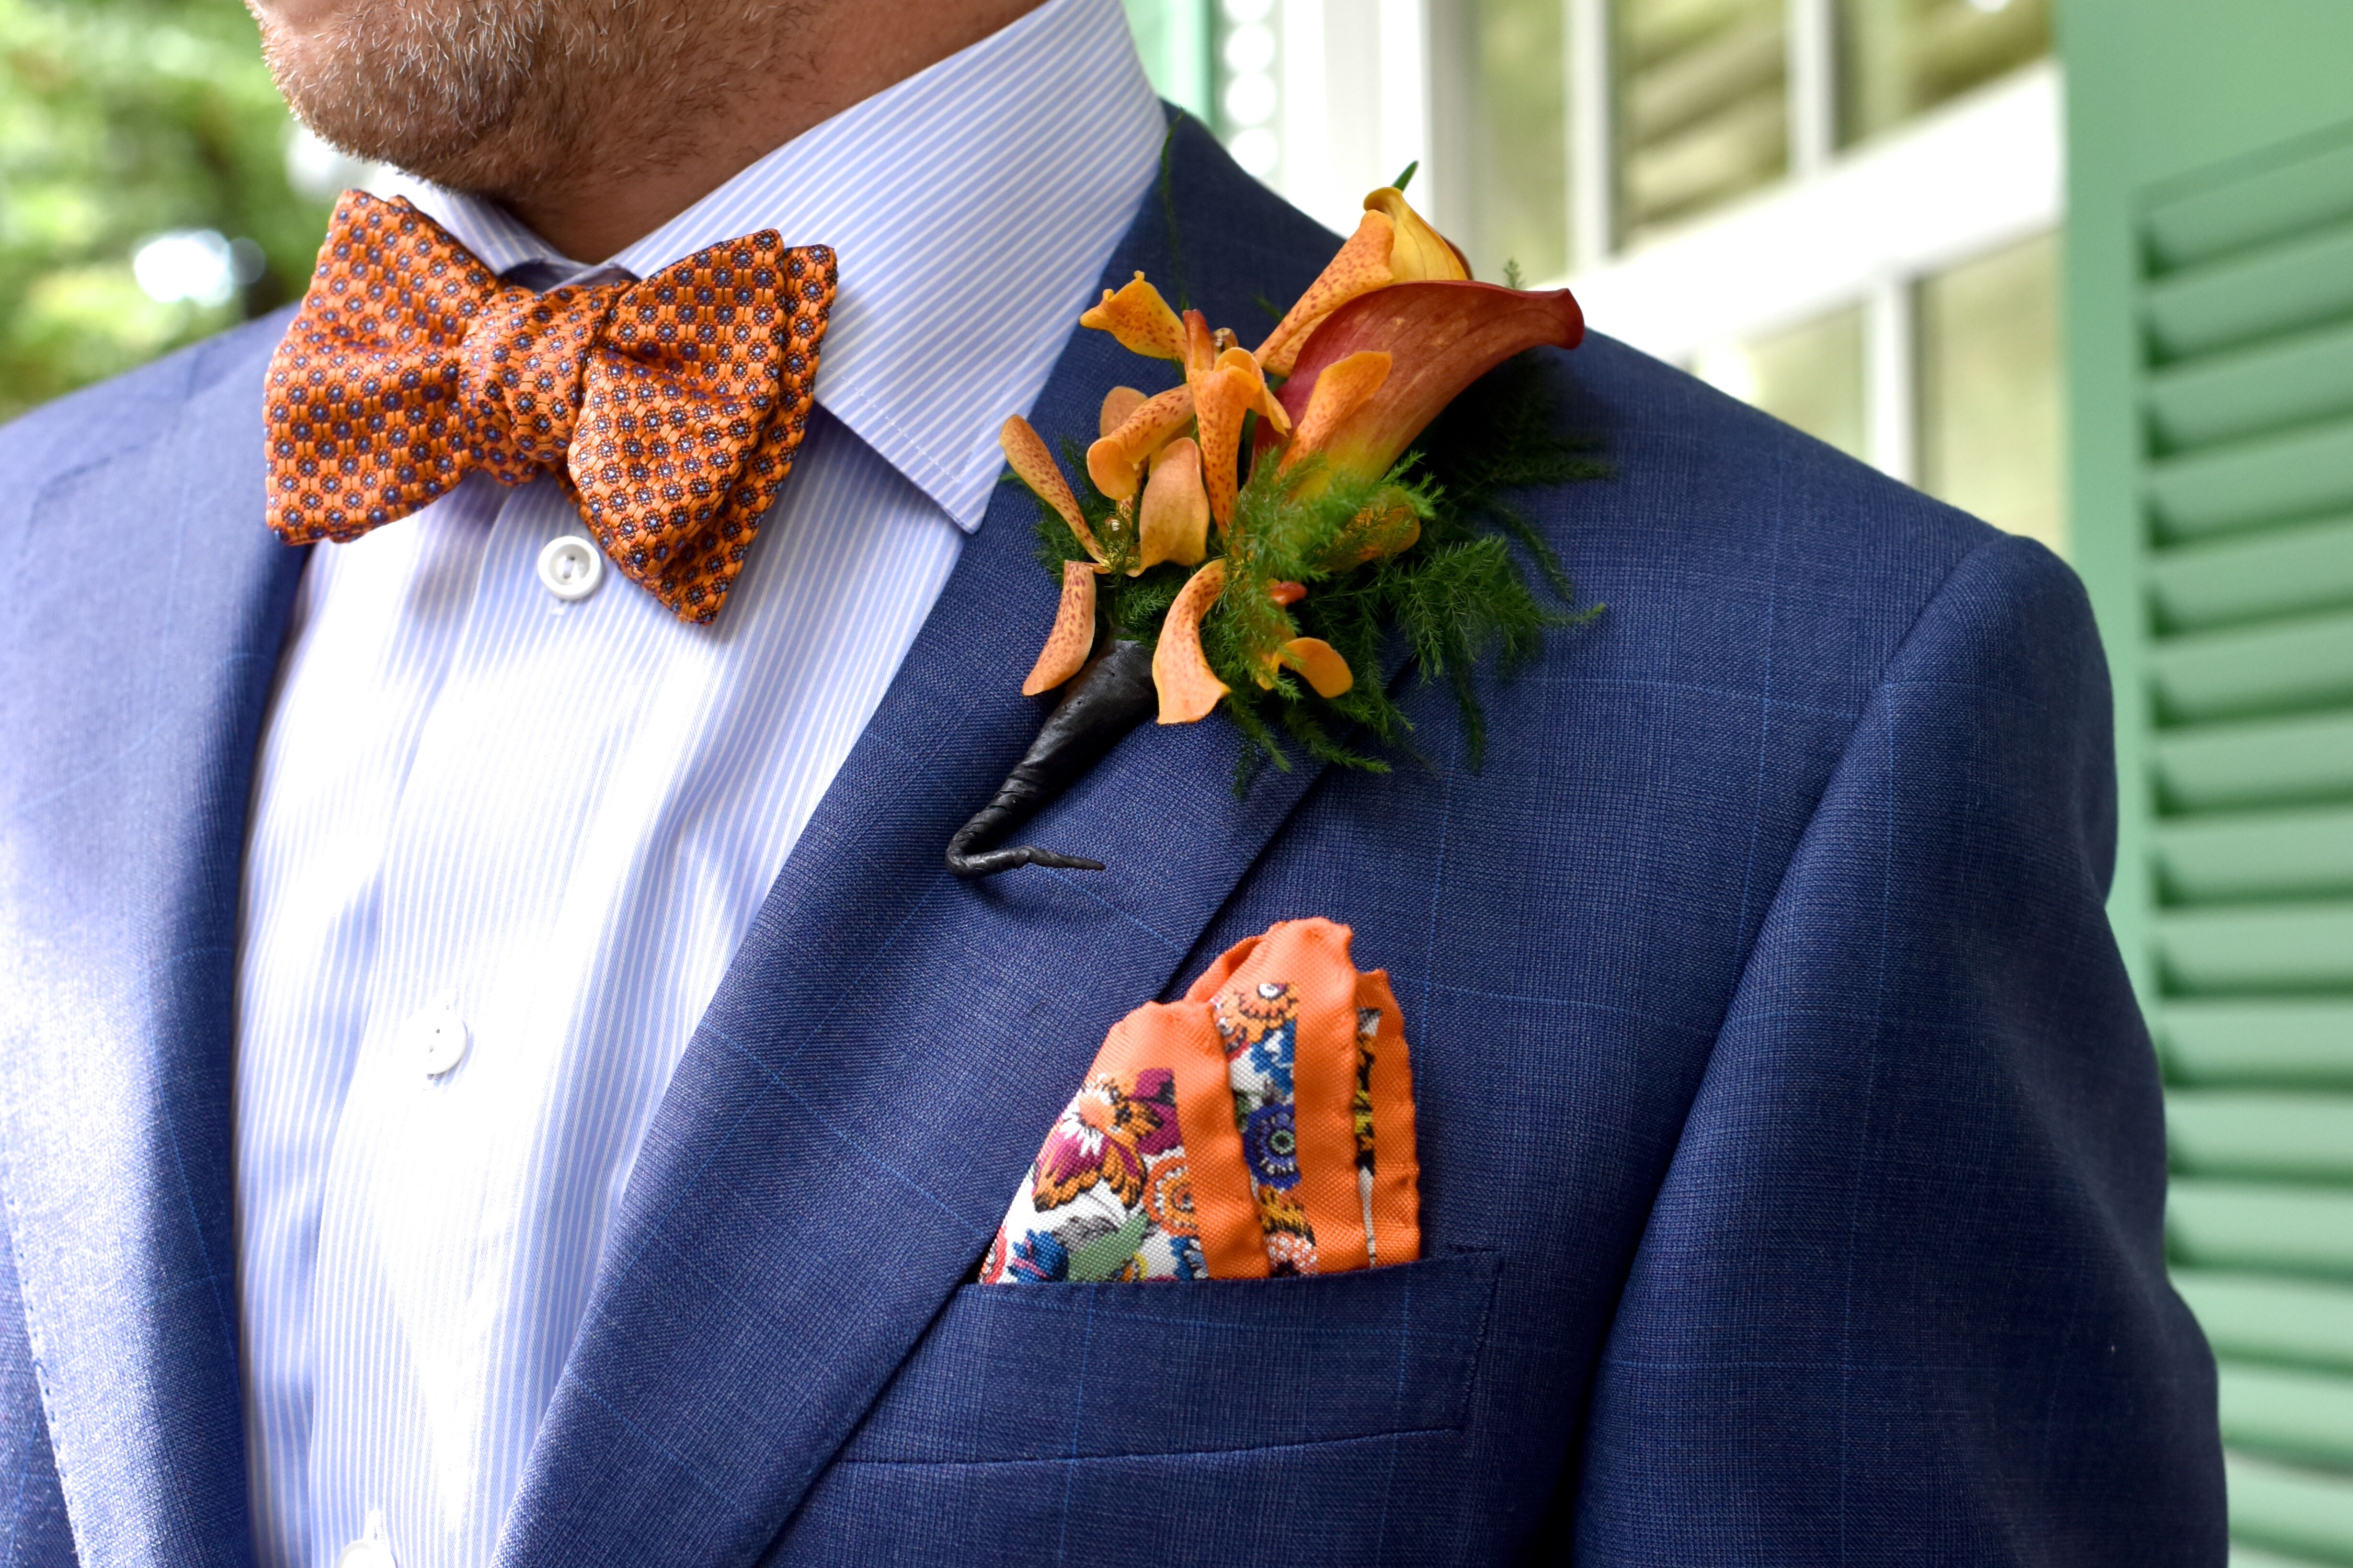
<point>1898,57</point>
<point>1990,439</point>
<point>1702,107</point>
<point>1809,376</point>
<point>1518,170</point>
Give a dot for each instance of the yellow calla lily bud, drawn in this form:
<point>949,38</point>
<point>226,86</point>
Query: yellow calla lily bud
<point>1420,254</point>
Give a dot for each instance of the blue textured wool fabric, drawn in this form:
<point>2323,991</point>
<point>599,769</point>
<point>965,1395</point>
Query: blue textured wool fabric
<point>1791,1148</point>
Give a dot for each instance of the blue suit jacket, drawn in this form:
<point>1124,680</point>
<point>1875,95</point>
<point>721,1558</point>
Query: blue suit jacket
<point>1791,1147</point>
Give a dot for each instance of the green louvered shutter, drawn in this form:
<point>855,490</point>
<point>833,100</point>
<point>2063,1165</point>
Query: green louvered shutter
<point>2211,291</point>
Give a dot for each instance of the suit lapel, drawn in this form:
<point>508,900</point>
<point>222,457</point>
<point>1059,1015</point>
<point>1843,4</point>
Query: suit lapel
<point>856,1108</point>
<point>135,662</point>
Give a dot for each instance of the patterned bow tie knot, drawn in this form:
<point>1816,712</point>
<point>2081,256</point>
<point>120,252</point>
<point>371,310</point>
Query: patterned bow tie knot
<point>669,409</point>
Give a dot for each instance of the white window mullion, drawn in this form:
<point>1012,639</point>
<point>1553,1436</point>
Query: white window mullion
<point>1813,86</point>
<point>1891,378</point>
<point>1592,179</point>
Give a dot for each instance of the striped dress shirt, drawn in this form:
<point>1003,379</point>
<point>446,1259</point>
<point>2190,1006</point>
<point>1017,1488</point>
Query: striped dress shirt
<point>503,843</point>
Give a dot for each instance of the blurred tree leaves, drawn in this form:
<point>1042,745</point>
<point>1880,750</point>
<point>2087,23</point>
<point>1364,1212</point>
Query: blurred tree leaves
<point>120,119</point>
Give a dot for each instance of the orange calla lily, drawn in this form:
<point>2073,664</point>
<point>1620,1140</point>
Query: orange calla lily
<point>1439,337</point>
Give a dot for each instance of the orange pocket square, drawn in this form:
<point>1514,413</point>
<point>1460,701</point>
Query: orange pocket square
<point>1262,1125</point>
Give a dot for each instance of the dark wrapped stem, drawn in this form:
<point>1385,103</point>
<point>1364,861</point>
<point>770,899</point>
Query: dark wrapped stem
<point>1102,703</point>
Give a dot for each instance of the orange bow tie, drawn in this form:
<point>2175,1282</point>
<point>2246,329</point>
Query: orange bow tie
<point>669,409</point>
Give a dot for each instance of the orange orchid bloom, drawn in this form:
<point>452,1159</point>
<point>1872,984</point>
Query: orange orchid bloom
<point>1221,386</point>
<point>1189,688</point>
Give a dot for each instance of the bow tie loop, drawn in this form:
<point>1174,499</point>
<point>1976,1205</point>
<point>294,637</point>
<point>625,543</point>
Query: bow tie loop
<point>670,409</point>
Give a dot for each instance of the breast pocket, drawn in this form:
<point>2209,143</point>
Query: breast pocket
<point>1305,1421</point>
<point>1016,1373</point>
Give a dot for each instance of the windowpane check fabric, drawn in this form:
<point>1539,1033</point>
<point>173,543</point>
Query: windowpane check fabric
<point>669,410</point>
<point>555,821</point>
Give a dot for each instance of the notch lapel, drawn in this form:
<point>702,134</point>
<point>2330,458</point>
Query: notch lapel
<point>855,1110</point>
<point>134,665</point>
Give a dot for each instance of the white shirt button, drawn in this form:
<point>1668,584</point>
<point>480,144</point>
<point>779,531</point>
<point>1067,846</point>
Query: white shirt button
<point>571,567</point>
<point>365,1554</point>
<point>438,1038</point>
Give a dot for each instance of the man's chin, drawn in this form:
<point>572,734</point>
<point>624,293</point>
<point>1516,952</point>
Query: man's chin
<point>459,134</point>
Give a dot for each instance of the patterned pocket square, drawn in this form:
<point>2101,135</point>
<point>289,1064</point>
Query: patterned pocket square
<point>1263,1125</point>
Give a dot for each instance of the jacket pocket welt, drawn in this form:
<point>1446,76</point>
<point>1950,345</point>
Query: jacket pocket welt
<point>1022,1373</point>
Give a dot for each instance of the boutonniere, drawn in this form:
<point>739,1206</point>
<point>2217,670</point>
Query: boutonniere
<point>1245,541</point>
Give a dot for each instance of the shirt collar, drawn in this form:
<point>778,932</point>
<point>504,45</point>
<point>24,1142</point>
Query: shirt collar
<point>973,206</point>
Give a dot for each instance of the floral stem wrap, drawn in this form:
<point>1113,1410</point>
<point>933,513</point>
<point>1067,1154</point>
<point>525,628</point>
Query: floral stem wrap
<point>1263,1125</point>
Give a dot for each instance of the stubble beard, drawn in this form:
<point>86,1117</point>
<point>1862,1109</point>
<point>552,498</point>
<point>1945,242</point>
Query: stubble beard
<point>505,98</point>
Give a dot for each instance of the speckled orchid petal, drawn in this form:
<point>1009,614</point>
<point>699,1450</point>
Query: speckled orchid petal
<point>1361,267</point>
<point>1241,363</point>
<point>1116,462</point>
<point>1220,401</point>
<point>1174,517</point>
<point>1074,637</point>
<point>1188,688</point>
<point>1344,387</point>
<point>1386,526</point>
<point>1441,338</point>
<point>1025,453</point>
<point>1286,593</point>
<point>1117,405</point>
<point>1140,319</point>
<point>1200,346</point>
<point>1421,254</point>
<point>1321,663</point>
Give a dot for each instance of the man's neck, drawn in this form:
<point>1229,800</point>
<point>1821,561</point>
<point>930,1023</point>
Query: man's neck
<point>852,54</point>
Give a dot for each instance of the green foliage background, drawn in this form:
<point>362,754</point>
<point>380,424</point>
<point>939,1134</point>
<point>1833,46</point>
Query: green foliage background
<point>120,119</point>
